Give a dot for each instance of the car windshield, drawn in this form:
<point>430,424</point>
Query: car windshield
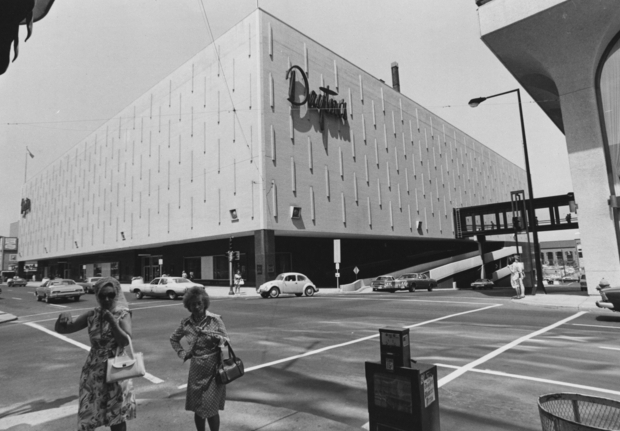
<point>181,280</point>
<point>280,277</point>
<point>155,281</point>
<point>409,276</point>
<point>68,282</point>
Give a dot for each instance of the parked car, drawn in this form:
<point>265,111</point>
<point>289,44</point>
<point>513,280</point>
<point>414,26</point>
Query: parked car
<point>384,283</point>
<point>582,282</point>
<point>57,289</point>
<point>170,287</point>
<point>16,281</point>
<point>287,282</point>
<point>482,283</point>
<point>610,297</point>
<point>89,284</point>
<point>413,281</point>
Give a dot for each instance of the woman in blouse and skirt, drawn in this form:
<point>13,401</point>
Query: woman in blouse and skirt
<point>205,333</point>
<point>109,326</point>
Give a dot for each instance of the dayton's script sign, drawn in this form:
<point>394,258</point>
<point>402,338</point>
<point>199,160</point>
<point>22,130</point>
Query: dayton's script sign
<point>321,102</point>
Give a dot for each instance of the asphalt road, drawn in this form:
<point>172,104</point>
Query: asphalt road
<point>494,357</point>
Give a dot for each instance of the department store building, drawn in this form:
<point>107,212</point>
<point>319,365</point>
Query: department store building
<point>271,138</point>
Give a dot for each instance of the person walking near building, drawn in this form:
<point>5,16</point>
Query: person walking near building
<point>205,333</point>
<point>238,282</point>
<point>184,274</point>
<point>109,326</point>
<point>516,276</point>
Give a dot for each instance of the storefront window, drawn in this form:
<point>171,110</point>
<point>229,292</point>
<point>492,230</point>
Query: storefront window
<point>114,272</point>
<point>192,266</point>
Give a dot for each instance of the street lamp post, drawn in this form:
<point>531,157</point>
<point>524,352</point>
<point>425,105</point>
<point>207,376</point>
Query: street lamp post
<point>532,214</point>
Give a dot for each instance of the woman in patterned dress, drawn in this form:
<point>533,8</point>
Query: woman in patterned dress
<point>101,403</point>
<point>205,333</point>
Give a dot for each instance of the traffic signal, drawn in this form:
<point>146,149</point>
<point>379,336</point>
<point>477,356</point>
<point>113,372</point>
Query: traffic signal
<point>230,255</point>
<point>230,243</point>
<point>516,223</point>
<point>236,255</point>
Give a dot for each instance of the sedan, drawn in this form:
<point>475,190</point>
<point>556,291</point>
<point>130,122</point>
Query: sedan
<point>165,287</point>
<point>89,284</point>
<point>384,282</point>
<point>482,283</point>
<point>16,281</point>
<point>58,288</point>
<point>413,281</point>
<point>288,282</point>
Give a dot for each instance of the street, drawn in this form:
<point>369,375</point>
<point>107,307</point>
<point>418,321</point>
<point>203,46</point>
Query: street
<point>494,356</point>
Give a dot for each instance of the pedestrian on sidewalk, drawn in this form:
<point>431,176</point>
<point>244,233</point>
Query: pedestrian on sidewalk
<point>238,282</point>
<point>205,333</point>
<point>516,276</point>
<point>184,274</point>
<point>109,326</point>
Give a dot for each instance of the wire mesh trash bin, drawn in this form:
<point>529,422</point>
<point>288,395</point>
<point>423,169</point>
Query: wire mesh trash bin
<point>575,412</point>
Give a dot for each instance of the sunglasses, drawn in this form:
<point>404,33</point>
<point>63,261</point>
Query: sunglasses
<point>109,296</point>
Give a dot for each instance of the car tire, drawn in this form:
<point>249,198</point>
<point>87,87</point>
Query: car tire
<point>430,289</point>
<point>309,291</point>
<point>139,294</point>
<point>38,297</point>
<point>47,299</point>
<point>171,295</point>
<point>76,298</point>
<point>264,295</point>
<point>9,284</point>
<point>274,292</point>
<point>411,289</point>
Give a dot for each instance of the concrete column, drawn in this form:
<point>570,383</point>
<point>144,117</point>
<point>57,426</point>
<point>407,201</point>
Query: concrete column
<point>591,186</point>
<point>264,255</point>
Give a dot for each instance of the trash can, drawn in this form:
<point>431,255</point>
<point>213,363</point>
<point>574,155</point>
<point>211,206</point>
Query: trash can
<point>576,412</point>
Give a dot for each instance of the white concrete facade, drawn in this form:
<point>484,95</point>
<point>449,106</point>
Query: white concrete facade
<point>219,134</point>
<point>554,49</point>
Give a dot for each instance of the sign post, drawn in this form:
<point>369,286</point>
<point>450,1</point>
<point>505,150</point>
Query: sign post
<point>337,261</point>
<point>356,270</point>
<point>161,263</point>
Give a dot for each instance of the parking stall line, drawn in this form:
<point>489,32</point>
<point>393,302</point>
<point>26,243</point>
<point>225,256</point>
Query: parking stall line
<point>609,348</point>
<point>357,340</point>
<point>148,376</point>
<point>534,379</point>
<point>19,299</point>
<point>57,305</point>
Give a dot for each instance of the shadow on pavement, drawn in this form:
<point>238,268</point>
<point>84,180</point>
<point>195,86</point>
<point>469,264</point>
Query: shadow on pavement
<point>35,406</point>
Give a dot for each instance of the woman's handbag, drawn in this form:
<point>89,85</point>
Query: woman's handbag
<point>125,365</point>
<point>241,282</point>
<point>229,369</point>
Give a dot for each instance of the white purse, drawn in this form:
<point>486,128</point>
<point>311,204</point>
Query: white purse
<point>125,365</point>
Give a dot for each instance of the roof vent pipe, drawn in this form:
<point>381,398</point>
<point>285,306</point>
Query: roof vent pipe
<point>395,77</point>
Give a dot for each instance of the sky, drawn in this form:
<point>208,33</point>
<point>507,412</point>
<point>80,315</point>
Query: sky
<point>86,61</point>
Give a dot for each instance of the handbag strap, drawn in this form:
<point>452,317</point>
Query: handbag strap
<point>128,349</point>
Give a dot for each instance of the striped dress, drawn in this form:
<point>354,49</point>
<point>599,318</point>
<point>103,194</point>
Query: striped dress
<point>205,396</point>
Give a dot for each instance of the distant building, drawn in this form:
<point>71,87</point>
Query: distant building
<point>565,53</point>
<point>560,253</point>
<point>245,142</point>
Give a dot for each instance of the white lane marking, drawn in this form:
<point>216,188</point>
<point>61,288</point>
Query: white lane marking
<point>462,370</point>
<point>19,299</point>
<point>405,300</point>
<point>56,305</point>
<point>535,379</point>
<point>357,340</point>
<point>148,376</point>
<point>596,326</point>
<point>608,348</point>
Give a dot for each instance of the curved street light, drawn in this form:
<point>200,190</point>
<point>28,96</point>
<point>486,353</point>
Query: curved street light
<point>532,214</point>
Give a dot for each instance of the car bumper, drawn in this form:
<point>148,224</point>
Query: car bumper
<point>65,295</point>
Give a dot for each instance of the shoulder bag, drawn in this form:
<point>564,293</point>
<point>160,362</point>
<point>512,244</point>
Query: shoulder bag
<point>125,365</point>
<point>229,369</point>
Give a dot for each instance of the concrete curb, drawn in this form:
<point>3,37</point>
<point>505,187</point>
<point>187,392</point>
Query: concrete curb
<point>6,317</point>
